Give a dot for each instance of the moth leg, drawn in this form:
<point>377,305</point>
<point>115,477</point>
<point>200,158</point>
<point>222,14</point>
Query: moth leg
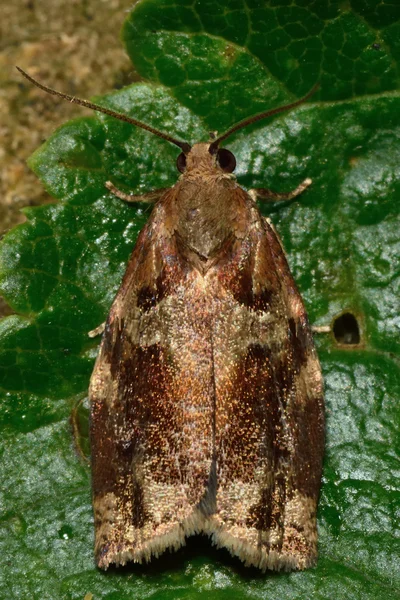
<point>269,195</point>
<point>148,197</point>
<point>321,328</point>
<point>98,331</point>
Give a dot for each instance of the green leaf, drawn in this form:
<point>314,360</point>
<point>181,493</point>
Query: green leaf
<point>208,65</point>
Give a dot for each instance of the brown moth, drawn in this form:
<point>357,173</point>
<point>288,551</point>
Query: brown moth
<point>206,397</point>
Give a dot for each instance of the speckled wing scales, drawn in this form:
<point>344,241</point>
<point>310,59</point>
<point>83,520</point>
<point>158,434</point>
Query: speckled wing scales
<point>151,407</point>
<point>206,397</point>
<point>269,412</point>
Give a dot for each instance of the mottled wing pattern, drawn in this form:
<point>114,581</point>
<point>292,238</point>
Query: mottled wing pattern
<point>269,410</point>
<point>152,405</point>
<point>206,400</point>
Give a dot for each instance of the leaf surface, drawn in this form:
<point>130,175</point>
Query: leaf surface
<point>208,65</point>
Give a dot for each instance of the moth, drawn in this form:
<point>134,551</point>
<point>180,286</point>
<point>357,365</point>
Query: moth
<point>206,397</point>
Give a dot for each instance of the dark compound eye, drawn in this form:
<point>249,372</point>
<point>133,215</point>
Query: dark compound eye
<point>226,160</point>
<point>181,162</point>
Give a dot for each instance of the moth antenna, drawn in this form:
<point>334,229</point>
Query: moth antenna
<point>214,146</point>
<point>184,146</point>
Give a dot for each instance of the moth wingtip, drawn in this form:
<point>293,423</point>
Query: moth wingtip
<point>119,554</point>
<point>262,558</point>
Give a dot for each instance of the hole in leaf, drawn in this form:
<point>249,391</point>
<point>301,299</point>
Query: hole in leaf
<point>346,329</point>
<point>65,533</point>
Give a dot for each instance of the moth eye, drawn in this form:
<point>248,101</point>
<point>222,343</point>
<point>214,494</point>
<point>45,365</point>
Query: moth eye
<point>226,160</point>
<point>181,162</point>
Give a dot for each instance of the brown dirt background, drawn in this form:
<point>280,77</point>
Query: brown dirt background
<point>71,45</point>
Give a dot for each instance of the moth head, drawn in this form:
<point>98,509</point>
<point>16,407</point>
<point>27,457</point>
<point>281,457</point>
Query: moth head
<point>200,157</point>
<point>197,156</point>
